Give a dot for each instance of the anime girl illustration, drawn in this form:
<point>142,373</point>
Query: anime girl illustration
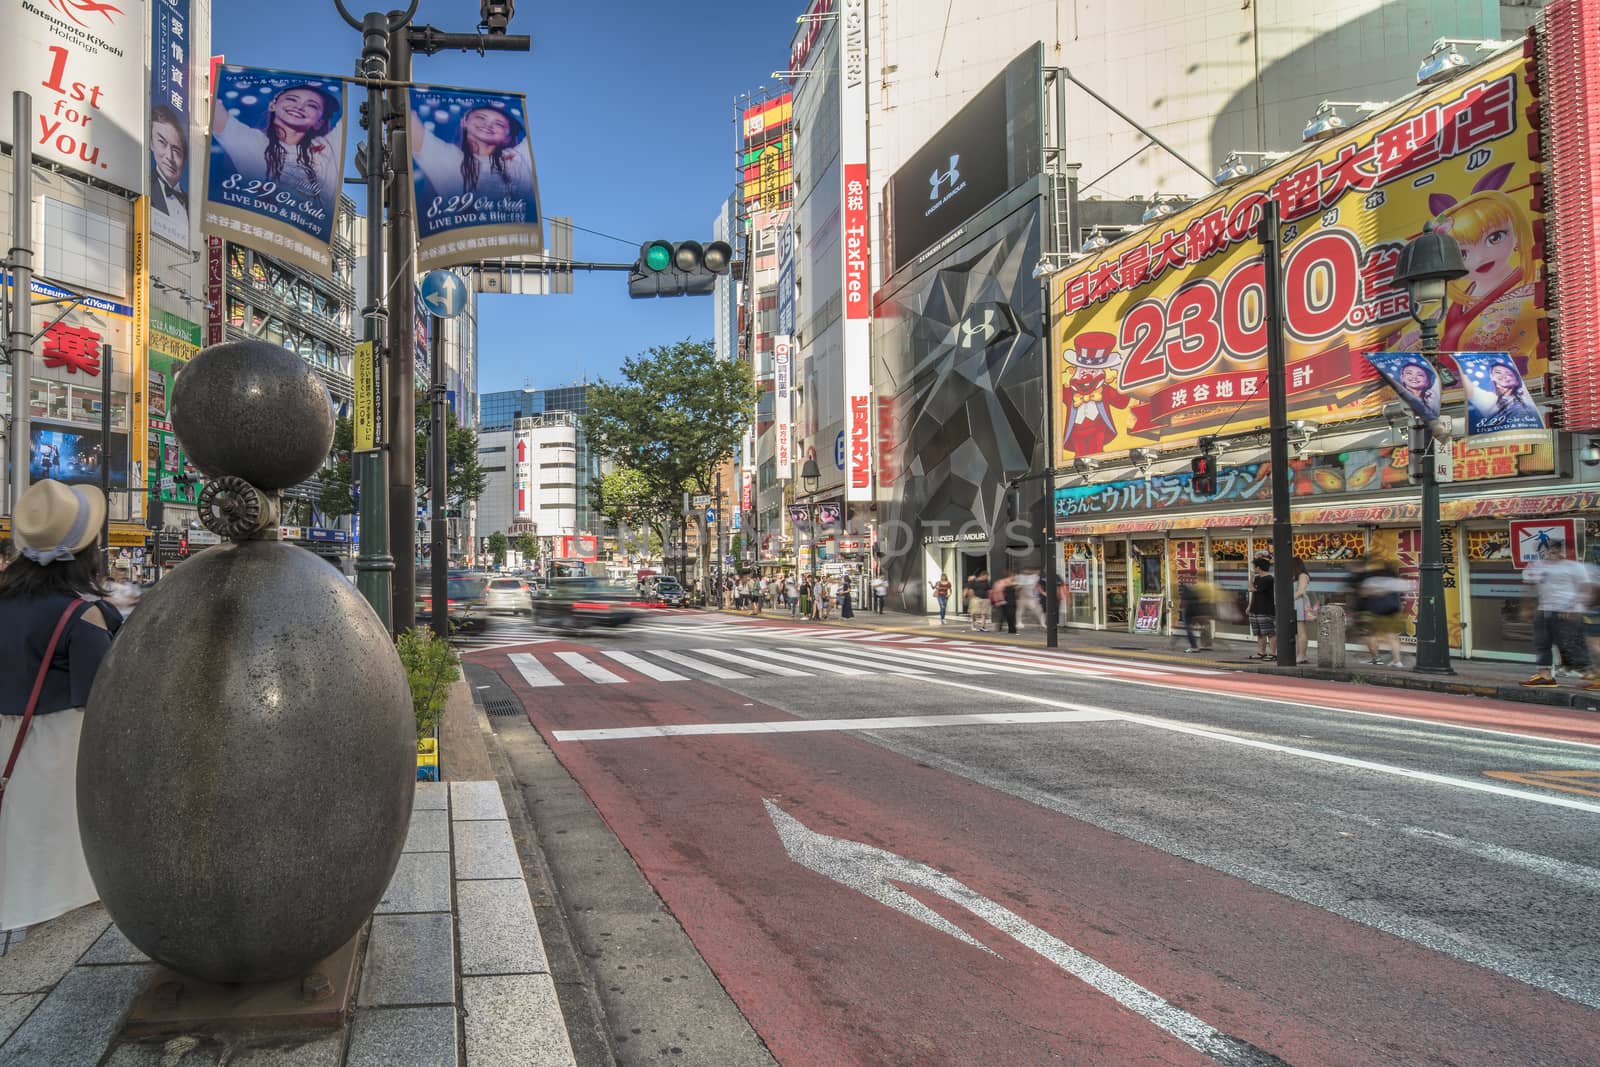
<point>294,145</point>
<point>1492,309</point>
<point>1089,394</point>
<point>490,155</point>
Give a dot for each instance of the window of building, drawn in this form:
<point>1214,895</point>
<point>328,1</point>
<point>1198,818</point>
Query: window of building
<point>85,248</point>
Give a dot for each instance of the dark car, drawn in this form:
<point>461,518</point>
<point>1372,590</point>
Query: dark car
<point>469,600</point>
<point>579,603</point>
<point>669,592</point>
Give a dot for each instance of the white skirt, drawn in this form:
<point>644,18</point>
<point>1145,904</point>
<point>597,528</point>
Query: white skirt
<point>42,869</point>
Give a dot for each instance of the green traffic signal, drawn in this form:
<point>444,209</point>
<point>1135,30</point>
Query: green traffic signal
<point>658,255</point>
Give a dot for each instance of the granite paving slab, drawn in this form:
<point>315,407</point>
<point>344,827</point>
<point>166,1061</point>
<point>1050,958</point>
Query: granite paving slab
<point>476,800</point>
<point>404,1037</point>
<point>50,950</point>
<point>431,796</point>
<point>485,849</point>
<point>14,1008</point>
<point>410,961</point>
<point>114,947</point>
<point>429,832</point>
<point>421,883</point>
<point>76,1022</point>
<point>514,1021</point>
<point>499,934</point>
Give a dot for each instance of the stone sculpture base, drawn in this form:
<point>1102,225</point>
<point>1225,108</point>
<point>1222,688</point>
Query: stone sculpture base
<point>320,999</point>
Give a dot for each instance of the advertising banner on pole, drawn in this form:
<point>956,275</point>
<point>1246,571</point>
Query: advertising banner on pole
<point>854,246</point>
<point>800,518</point>
<point>276,162</point>
<point>1162,336</point>
<point>1412,378</point>
<point>477,193</point>
<point>84,65</point>
<point>368,417</point>
<point>170,121</point>
<point>1497,399</point>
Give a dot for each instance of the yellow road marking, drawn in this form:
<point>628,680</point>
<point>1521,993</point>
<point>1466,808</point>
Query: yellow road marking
<point>1586,783</point>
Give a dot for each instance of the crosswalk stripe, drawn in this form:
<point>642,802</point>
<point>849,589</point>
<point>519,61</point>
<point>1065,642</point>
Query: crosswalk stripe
<point>805,660</point>
<point>696,664</point>
<point>757,665</point>
<point>588,668</point>
<point>865,659</point>
<point>899,657</point>
<point>644,666</point>
<point>945,655</point>
<point>533,672</point>
<point>1065,661</point>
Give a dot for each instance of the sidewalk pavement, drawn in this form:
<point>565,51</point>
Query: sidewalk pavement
<point>1485,678</point>
<point>453,970</point>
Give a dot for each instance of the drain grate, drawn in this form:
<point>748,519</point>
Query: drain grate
<point>502,709</point>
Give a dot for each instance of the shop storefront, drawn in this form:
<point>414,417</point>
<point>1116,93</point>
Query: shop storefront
<point>1128,546</point>
<point>170,476</point>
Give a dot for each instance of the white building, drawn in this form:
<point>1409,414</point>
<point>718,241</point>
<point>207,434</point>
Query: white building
<point>531,477</point>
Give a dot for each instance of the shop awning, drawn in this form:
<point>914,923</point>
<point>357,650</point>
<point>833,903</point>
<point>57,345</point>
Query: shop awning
<point>1496,506</point>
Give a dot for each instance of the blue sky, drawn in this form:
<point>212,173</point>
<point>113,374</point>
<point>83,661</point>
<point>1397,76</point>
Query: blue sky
<point>631,105</point>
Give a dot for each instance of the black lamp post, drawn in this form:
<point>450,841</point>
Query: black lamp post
<point>1427,265</point>
<point>809,479</point>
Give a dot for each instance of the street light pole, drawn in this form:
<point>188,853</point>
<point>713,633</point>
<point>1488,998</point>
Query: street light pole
<point>810,478</point>
<point>1427,265</point>
<point>1278,430</point>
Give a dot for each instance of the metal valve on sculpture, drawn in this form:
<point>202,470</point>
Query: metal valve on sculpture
<point>246,770</point>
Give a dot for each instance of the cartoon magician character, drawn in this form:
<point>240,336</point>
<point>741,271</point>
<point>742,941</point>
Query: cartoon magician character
<point>1089,395</point>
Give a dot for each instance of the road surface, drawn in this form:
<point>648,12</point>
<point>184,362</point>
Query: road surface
<point>914,848</point>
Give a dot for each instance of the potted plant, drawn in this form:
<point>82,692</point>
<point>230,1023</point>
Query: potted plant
<point>431,667</point>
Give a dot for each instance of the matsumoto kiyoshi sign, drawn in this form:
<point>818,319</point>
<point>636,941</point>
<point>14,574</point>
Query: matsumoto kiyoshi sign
<point>1163,338</point>
<point>477,194</point>
<point>83,61</point>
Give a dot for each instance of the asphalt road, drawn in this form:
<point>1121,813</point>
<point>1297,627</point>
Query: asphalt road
<point>1107,861</point>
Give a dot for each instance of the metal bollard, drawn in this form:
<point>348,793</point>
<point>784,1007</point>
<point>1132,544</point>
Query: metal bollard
<point>1331,622</point>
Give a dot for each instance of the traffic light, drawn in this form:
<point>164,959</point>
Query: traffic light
<point>155,514</point>
<point>1203,474</point>
<point>684,269</point>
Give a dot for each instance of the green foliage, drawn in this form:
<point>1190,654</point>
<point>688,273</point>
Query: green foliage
<point>498,546</point>
<point>431,668</point>
<point>528,545</point>
<point>464,477</point>
<point>627,500</point>
<point>338,497</point>
<point>673,420</point>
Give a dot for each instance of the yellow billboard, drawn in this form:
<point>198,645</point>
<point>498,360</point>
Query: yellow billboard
<point>1161,338</point>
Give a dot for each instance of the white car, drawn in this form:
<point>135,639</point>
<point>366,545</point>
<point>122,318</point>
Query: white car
<point>510,594</point>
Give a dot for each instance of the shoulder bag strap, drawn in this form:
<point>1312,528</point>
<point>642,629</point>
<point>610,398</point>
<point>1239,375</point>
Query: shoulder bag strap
<point>38,687</point>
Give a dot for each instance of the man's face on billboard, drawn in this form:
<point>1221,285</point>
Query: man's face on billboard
<point>166,146</point>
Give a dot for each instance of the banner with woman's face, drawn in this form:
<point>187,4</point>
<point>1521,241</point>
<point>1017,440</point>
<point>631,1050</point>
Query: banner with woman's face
<point>276,163</point>
<point>477,192</point>
<point>1412,378</point>
<point>1497,399</point>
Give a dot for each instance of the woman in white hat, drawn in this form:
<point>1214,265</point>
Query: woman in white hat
<point>48,595</point>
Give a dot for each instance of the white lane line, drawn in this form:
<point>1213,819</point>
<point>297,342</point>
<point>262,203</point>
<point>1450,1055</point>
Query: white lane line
<point>589,669</point>
<point>1288,750</point>
<point>644,666</point>
<point>798,726</point>
<point>708,669</point>
<point>858,658</point>
<point>1560,870</point>
<point>533,672</point>
<point>808,658</point>
<point>752,665</point>
<point>882,659</point>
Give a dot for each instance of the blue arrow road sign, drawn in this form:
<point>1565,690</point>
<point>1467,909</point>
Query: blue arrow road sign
<point>444,293</point>
<point>711,515</point>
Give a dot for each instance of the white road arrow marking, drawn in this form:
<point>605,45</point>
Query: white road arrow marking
<point>871,871</point>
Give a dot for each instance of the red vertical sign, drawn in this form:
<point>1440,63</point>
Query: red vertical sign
<point>857,304</point>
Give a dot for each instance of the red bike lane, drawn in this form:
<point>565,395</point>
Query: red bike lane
<point>826,974</point>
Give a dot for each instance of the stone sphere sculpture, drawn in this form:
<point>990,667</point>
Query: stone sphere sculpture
<point>255,411</point>
<point>247,764</point>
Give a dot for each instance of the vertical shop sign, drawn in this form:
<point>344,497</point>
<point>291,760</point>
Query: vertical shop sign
<point>369,399</point>
<point>857,272</point>
<point>170,125</point>
<point>214,274</point>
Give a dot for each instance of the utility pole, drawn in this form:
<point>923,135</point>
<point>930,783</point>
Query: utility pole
<point>19,345</point>
<point>1278,429</point>
<point>438,482</point>
<point>399,269</point>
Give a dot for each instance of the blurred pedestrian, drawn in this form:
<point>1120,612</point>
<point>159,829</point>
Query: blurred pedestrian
<point>1263,609</point>
<point>941,593</point>
<point>1030,598</point>
<point>1381,608</point>
<point>1304,609</point>
<point>1003,597</point>
<point>979,604</point>
<point>1196,608</point>
<point>1566,588</point>
<point>846,608</point>
<point>880,592</point>
<point>54,631</point>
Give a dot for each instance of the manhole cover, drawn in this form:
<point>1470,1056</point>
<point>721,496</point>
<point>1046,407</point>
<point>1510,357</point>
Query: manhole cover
<point>502,709</point>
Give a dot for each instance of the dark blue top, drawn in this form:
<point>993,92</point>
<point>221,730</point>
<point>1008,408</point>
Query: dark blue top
<point>25,629</point>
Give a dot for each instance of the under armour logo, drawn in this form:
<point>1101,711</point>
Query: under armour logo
<point>986,328</point>
<point>937,180</point>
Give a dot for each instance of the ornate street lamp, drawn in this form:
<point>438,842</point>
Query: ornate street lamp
<point>1427,265</point>
<point>810,477</point>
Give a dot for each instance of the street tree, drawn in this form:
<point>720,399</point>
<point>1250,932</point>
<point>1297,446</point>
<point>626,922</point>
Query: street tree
<point>337,497</point>
<point>528,546</point>
<point>631,504</point>
<point>464,476</point>
<point>498,546</point>
<point>675,417</point>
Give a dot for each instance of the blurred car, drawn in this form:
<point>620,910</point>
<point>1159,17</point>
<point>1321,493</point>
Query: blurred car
<point>468,601</point>
<point>580,603</point>
<point>669,592</point>
<point>509,594</point>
